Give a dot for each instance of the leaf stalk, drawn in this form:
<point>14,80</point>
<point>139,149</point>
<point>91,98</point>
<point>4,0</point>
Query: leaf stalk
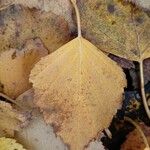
<point>143,90</point>
<point>78,17</point>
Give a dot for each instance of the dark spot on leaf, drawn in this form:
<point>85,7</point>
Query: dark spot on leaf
<point>113,22</point>
<point>1,87</point>
<point>111,8</point>
<point>13,56</point>
<point>139,20</point>
<point>97,5</point>
<point>134,51</point>
<point>17,33</point>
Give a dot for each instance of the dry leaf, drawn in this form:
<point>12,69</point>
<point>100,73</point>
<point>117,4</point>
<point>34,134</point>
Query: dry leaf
<point>58,7</point>
<point>18,24</point>
<point>38,135</point>
<point>9,144</point>
<point>15,67</point>
<point>134,140</point>
<point>76,89</point>
<point>11,119</point>
<point>116,28</point>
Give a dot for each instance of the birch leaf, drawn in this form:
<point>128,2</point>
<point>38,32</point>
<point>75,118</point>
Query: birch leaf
<point>15,66</point>
<point>117,28</point>
<point>9,144</point>
<point>76,89</point>
<point>19,24</point>
<point>11,119</point>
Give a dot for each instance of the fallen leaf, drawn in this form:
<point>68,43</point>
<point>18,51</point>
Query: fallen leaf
<point>75,87</point>
<point>18,24</point>
<point>15,66</point>
<point>116,28</point>
<point>9,144</point>
<point>141,3</point>
<point>58,7</point>
<point>134,140</point>
<point>39,135</point>
<point>11,119</point>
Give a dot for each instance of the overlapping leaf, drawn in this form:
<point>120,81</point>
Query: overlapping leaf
<point>11,119</point>
<point>134,140</point>
<point>18,24</point>
<point>116,27</point>
<point>76,89</point>
<point>9,144</point>
<point>15,66</point>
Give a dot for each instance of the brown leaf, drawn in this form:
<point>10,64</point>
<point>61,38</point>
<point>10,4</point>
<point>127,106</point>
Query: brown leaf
<point>18,24</point>
<point>76,89</point>
<point>134,140</point>
<point>15,67</point>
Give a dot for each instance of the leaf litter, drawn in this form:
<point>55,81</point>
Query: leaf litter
<point>70,89</point>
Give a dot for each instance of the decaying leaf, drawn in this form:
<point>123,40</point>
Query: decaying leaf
<point>76,89</point>
<point>15,67</point>
<point>116,28</point>
<point>9,144</point>
<point>134,140</point>
<point>18,24</point>
<point>11,119</point>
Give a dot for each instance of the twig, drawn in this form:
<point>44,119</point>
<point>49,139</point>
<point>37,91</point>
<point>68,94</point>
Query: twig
<point>109,134</point>
<point>10,99</point>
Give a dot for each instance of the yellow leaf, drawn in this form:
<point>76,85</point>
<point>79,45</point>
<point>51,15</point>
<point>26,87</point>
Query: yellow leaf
<point>79,89</point>
<point>38,135</point>
<point>15,66</point>
<point>18,24</point>
<point>116,27</point>
<point>11,119</point>
<point>9,144</point>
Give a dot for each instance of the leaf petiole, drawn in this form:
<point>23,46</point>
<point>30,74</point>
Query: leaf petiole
<point>143,90</point>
